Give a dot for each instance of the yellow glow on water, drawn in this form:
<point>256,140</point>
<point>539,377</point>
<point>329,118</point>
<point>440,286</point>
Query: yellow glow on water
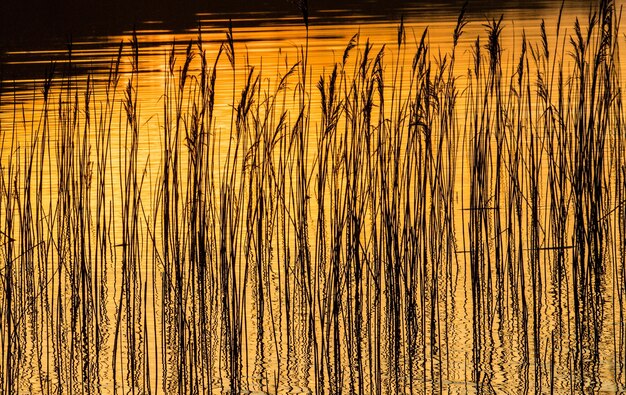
<point>307,228</point>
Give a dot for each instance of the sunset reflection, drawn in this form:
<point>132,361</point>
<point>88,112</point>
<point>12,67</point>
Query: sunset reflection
<point>329,197</point>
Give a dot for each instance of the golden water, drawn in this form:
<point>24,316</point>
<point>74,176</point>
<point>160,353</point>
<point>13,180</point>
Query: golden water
<point>461,353</point>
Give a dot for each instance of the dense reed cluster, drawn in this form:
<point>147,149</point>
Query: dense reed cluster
<point>397,225</point>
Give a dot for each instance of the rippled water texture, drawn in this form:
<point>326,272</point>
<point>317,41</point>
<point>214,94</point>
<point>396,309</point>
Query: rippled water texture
<point>339,197</point>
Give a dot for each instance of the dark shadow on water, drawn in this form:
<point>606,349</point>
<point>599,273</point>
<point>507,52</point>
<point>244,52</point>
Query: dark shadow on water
<point>33,24</point>
<point>34,33</point>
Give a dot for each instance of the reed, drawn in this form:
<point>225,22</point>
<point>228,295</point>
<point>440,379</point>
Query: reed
<point>395,225</point>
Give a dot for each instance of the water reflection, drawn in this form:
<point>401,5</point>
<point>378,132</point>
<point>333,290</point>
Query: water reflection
<point>36,33</point>
<point>428,217</point>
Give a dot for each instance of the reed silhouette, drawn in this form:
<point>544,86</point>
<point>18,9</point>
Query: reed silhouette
<point>335,233</point>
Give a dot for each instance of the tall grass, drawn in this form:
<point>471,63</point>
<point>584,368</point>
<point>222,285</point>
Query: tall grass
<point>396,225</point>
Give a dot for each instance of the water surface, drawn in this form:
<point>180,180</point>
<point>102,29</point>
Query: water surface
<point>396,248</point>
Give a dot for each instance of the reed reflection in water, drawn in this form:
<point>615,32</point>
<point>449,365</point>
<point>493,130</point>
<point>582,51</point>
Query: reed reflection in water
<point>402,221</point>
